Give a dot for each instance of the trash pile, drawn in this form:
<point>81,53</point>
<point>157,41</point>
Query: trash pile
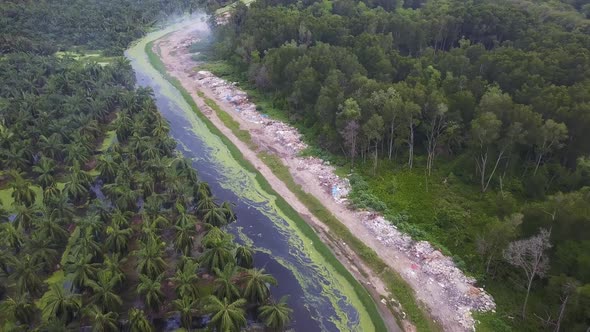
<point>187,43</point>
<point>333,184</point>
<point>287,138</point>
<point>439,267</point>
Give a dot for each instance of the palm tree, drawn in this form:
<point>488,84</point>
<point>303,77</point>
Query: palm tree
<point>24,216</point>
<point>149,259</point>
<point>184,218</point>
<point>187,308</point>
<point>120,218</point>
<point>184,238</point>
<point>45,170</point>
<point>215,216</point>
<point>50,194</point>
<point>205,204</point>
<point>104,291</point>
<point>244,257</point>
<point>21,308</point>
<point>117,238</point>
<point>51,146</point>
<point>101,321</point>
<point>217,255</point>
<point>60,303</point>
<point>61,208</point>
<point>276,315</point>
<point>77,153</point>
<point>186,280</point>
<point>138,322</point>
<point>26,274</point>
<point>227,317</point>
<point>113,264</point>
<point>107,166</point>
<point>11,236</point>
<point>22,191</point>
<point>84,243</point>
<point>80,269</point>
<point>151,291</point>
<point>42,251</point>
<point>228,209</point>
<point>122,126</point>
<point>255,285</point>
<point>48,228</point>
<point>225,283</point>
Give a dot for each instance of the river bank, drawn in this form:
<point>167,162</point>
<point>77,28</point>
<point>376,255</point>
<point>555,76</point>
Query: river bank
<point>322,292</point>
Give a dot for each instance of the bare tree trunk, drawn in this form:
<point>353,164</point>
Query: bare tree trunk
<point>561,312</point>
<point>493,170</point>
<point>526,299</point>
<point>538,163</point>
<point>375,161</point>
<point>391,140</point>
<point>489,263</point>
<point>411,146</point>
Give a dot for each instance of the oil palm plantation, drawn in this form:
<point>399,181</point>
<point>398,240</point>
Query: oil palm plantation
<point>226,316</point>
<point>276,315</point>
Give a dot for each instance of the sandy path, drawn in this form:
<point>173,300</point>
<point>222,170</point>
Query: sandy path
<point>430,292</point>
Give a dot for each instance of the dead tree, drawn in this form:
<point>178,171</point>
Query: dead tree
<point>529,255</point>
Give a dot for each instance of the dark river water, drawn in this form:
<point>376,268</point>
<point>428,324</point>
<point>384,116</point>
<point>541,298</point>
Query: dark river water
<point>322,299</point>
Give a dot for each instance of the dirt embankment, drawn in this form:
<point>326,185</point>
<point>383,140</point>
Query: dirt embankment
<point>448,294</point>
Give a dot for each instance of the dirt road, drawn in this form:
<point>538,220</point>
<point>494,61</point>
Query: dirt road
<point>449,301</point>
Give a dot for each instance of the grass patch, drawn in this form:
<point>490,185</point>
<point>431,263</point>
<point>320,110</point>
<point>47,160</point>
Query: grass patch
<point>362,293</point>
<point>109,139</point>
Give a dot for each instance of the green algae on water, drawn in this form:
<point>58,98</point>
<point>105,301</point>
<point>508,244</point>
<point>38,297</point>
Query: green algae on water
<point>246,184</point>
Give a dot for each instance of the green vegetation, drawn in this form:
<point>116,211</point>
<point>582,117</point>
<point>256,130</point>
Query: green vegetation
<point>280,202</point>
<point>465,123</point>
<point>102,224</point>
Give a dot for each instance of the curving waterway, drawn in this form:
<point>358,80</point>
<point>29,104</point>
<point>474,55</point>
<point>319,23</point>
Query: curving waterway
<point>322,299</point>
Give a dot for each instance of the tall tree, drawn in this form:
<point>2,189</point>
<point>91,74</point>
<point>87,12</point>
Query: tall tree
<point>529,255</point>
<point>551,135</point>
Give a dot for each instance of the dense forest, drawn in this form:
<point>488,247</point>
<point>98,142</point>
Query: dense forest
<point>465,122</point>
<point>103,224</point>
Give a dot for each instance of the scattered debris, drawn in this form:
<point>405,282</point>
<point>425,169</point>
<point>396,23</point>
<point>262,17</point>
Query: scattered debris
<point>439,267</point>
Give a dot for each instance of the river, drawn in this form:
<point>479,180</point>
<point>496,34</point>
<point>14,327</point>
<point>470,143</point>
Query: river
<point>322,299</point>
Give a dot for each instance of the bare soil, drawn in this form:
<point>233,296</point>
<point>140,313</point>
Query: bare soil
<point>434,295</point>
